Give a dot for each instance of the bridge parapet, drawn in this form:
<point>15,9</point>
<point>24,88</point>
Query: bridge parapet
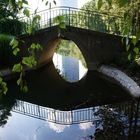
<point>95,34</point>
<point>79,18</point>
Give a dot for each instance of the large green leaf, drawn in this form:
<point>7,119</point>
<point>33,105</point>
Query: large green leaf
<point>122,2</point>
<point>25,88</point>
<point>26,12</point>
<point>5,38</point>
<point>15,51</point>
<point>14,43</point>
<point>25,2</point>
<point>3,87</point>
<point>138,61</point>
<point>62,25</point>
<point>100,3</point>
<point>29,61</point>
<point>17,67</point>
<point>109,2</point>
<point>136,50</point>
<point>19,81</point>
<point>129,57</point>
<point>134,40</point>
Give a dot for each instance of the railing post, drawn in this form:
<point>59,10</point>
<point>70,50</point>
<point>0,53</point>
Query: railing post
<point>69,16</point>
<point>88,19</point>
<point>23,106</point>
<point>54,116</point>
<point>50,14</point>
<point>72,117</point>
<point>39,111</point>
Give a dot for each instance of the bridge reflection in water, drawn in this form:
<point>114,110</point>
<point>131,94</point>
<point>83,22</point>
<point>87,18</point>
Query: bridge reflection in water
<point>57,116</point>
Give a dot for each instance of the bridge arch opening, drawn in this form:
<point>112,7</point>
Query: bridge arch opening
<point>69,61</point>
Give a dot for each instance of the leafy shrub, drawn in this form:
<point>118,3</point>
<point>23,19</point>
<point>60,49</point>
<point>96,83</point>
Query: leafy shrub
<point>11,26</point>
<point>6,56</point>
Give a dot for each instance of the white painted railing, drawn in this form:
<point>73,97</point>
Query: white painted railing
<point>57,116</point>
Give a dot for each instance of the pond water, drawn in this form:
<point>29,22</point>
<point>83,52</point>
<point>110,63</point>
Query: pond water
<point>64,107</point>
<point>70,68</point>
<point>21,127</point>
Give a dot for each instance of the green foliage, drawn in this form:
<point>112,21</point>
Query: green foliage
<point>5,9</point>
<point>15,51</point>
<point>128,27</point>
<point>100,3</point>
<point>112,124</point>
<point>122,2</point>
<point>9,9</point>
<point>3,87</point>
<point>136,50</point>
<point>4,38</point>
<point>14,43</point>
<point>33,25</point>
<point>35,47</point>
<point>104,18</point>
<point>6,105</point>
<point>11,27</point>
<point>60,21</point>
<point>6,56</point>
<point>20,82</point>
<point>17,67</point>
<point>17,6</point>
<point>29,61</point>
<point>26,12</point>
<point>132,28</point>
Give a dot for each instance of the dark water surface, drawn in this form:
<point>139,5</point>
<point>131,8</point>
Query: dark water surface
<point>47,111</point>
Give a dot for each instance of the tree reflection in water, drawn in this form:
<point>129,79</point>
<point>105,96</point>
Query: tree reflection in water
<point>119,122</point>
<point>6,105</point>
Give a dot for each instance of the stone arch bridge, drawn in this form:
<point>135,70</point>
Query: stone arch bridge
<point>95,34</point>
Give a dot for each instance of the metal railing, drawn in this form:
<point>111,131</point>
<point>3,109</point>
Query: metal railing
<point>57,116</point>
<point>79,18</point>
<point>75,116</point>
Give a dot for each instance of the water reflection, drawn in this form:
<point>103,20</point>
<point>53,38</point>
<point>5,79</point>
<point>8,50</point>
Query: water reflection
<point>69,68</point>
<point>119,122</point>
<point>69,61</point>
<point>56,116</point>
<point>58,128</point>
<point>71,114</point>
<point>21,127</point>
<point>6,105</point>
<point>115,122</point>
<point>48,88</point>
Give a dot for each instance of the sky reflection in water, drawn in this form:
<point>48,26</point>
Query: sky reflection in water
<point>71,69</point>
<point>20,127</point>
